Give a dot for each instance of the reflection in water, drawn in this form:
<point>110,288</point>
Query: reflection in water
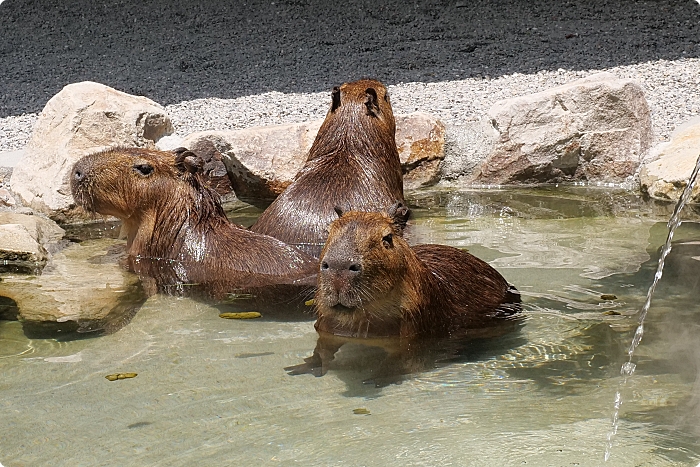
<point>233,290</point>
<point>385,361</point>
<point>210,390</point>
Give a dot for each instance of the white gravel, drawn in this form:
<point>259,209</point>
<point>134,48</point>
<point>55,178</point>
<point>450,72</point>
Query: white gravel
<point>672,89</point>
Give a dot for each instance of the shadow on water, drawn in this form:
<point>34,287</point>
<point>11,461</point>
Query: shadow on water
<point>175,51</point>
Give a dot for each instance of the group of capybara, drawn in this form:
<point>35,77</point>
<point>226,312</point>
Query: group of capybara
<point>337,229</point>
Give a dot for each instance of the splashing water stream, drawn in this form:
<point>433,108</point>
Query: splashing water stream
<point>627,369</point>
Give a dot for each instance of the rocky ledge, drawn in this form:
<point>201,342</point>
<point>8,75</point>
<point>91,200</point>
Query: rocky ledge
<point>595,130</point>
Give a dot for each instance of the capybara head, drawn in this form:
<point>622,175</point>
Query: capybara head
<point>126,182</point>
<point>363,265</point>
<point>360,110</point>
<point>367,97</point>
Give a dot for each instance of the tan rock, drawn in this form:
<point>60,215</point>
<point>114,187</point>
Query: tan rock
<point>82,289</point>
<point>666,176</point>
<point>262,161</point>
<point>17,245</point>
<point>82,118</point>
<point>42,230</point>
<point>595,129</point>
<point>420,138</point>
<point>26,240</point>
<point>6,198</point>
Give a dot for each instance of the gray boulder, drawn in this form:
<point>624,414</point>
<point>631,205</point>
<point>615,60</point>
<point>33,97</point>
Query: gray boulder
<point>594,129</point>
<point>81,119</point>
<point>666,175</point>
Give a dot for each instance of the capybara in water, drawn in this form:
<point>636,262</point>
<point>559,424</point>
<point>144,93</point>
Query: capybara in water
<point>373,284</point>
<point>353,163</point>
<point>176,229</point>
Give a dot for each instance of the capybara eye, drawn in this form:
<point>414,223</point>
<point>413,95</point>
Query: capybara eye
<point>388,240</point>
<point>324,265</point>
<point>144,169</point>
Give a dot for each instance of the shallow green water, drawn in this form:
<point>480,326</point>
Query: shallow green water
<point>214,392</point>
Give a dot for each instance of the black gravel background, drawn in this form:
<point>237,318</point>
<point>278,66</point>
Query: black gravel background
<point>180,50</point>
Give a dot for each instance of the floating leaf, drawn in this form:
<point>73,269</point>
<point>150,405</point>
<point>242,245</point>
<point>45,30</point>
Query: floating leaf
<point>361,411</point>
<point>117,376</point>
<point>608,296</point>
<point>242,315</point>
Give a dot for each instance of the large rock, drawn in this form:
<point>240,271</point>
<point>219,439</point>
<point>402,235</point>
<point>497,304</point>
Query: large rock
<point>666,176</point>
<point>420,138</point>
<point>82,289</point>
<point>81,119</point>
<point>262,161</point>
<point>594,129</point>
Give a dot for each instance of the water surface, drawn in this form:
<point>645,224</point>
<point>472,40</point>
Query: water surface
<point>211,391</point>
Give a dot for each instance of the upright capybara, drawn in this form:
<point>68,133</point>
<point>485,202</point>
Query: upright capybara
<point>176,229</point>
<point>373,284</point>
<point>353,163</point>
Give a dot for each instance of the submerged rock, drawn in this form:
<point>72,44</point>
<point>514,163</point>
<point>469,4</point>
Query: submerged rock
<point>83,118</point>
<point>83,289</point>
<point>666,176</point>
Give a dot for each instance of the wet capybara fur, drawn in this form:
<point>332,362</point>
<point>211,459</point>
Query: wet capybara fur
<point>373,284</point>
<point>175,226</point>
<point>353,163</point>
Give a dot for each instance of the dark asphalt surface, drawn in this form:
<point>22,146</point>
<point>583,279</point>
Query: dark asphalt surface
<point>180,50</point>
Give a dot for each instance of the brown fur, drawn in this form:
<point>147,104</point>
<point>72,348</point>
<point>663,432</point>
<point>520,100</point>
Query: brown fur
<point>372,284</point>
<point>353,163</point>
<point>175,226</point>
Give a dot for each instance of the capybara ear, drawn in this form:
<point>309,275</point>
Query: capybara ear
<point>338,210</point>
<point>399,214</point>
<point>187,161</point>
<point>335,97</point>
<point>371,102</point>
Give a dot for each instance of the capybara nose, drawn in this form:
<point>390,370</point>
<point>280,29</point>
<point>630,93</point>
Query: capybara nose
<point>78,175</point>
<point>79,172</point>
<point>347,266</point>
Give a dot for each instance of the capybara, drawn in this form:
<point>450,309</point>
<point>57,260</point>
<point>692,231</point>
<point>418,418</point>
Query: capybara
<point>176,229</point>
<point>373,284</point>
<point>353,163</point>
